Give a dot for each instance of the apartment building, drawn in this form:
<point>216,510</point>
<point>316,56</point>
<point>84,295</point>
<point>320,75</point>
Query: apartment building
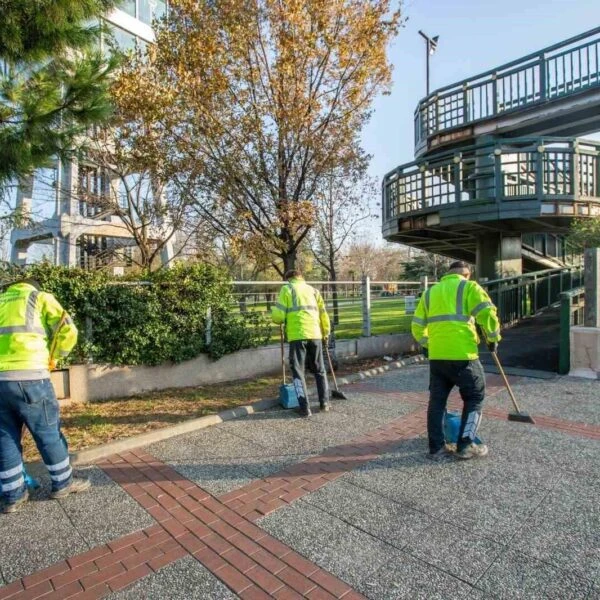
<point>61,222</point>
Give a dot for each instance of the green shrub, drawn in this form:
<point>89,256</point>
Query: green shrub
<point>124,322</point>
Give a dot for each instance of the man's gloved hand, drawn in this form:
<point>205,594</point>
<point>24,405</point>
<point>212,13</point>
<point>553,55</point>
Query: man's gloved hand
<point>425,352</point>
<point>492,346</point>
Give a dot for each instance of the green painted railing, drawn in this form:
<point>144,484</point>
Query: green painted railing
<point>553,170</point>
<point>561,70</point>
<point>571,313</point>
<point>525,295</point>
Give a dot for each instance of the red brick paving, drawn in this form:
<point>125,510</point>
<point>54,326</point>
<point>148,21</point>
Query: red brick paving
<point>219,532</point>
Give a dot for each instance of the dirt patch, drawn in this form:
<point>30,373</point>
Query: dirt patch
<point>95,423</point>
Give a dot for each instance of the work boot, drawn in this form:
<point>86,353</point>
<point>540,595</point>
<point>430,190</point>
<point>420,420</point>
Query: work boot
<point>473,451</point>
<point>442,454</point>
<point>77,485</point>
<point>324,406</point>
<point>14,506</point>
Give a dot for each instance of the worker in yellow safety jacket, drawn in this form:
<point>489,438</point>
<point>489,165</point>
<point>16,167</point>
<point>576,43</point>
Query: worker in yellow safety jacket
<point>444,324</point>
<point>35,331</point>
<point>301,309</point>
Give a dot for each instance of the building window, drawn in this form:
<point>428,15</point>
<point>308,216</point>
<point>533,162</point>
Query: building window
<point>148,10</point>
<point>128,6</point>
<point>121,39</point>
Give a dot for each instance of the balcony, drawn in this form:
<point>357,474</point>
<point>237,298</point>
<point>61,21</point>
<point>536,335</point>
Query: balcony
<point>519,185</point>
<point>539,88</point>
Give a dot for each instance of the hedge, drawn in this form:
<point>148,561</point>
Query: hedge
<point>124,321</point>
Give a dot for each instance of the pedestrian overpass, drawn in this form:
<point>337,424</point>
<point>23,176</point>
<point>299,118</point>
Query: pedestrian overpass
<point>499,174</point>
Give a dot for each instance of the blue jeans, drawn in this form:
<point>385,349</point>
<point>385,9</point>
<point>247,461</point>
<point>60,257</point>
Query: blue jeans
<point>32,404</point>
<point>469,377</point>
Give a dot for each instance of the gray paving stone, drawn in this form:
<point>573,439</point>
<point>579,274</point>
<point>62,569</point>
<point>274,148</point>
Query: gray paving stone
<point>185,579</point>
<point>456,551</point>
<point>594,592</point>
<point>37,536</point>
<point>568,398</point>
<point>345,551</point>
<point>565,529</point>
<point>406,578</point>
<point>389,521</point>
<point>517,575</point>
<point>105,512</point>
<point>407,476</point>
<point>207,443</point>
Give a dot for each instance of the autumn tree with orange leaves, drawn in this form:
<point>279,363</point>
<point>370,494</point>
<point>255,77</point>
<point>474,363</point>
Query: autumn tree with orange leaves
<point>256,103</point>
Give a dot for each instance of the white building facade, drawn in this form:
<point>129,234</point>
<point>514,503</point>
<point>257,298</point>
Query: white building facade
<point>58,221</point>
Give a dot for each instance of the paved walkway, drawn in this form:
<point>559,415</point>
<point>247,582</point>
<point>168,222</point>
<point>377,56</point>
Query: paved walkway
<point>343,505</point>
<point>532,343</point>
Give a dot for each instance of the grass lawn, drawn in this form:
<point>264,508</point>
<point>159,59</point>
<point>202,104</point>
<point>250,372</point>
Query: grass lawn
<point>387,316</point>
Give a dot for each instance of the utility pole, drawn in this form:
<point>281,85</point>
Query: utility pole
<point>430,48</point>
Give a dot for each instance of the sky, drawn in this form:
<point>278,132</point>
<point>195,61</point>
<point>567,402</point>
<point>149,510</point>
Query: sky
<point>475,35</point>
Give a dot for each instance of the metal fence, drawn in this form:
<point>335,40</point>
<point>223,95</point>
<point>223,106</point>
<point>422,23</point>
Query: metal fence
<point>356,308</point>
<point>554,72</point>
<point>547,169</point>
<point>525,295</point>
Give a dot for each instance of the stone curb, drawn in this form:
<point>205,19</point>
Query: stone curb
<point>84,457</point>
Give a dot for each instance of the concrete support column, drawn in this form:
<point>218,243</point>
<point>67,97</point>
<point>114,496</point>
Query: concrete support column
<point>65,250</point>
<point>499,255</point>
<point>591,315</point>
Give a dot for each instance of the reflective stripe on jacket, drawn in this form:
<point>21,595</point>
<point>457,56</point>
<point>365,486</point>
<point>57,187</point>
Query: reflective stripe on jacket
<point>29,321</point>
<point>301,307</point>
<point>444,321</point>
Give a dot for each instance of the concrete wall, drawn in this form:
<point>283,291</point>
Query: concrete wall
<point>585,352</point>
<point>84,383</point>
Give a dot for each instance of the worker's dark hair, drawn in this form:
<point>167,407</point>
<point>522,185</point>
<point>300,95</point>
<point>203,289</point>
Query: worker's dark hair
<point>459,265</point>
<point>30,281</point>
<point>293,273</point>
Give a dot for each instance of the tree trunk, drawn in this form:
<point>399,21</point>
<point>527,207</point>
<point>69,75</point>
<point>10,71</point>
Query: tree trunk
<point>289,260</point>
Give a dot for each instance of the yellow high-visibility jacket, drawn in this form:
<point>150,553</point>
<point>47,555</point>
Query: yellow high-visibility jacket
<point>301,307</point>
<point>444,321</point>
<point>29,322</point>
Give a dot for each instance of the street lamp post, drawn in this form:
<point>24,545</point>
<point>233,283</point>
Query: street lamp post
<point>430,48</point>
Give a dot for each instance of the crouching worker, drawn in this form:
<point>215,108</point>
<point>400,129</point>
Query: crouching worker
<point>301,308</point>
<point>34,332</point>
<point>445,325</point>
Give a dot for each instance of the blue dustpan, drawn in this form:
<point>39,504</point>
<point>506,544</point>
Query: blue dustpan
<point>452,427</point>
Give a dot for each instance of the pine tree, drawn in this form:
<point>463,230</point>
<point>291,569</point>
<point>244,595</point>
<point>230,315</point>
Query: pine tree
<point>53,79</point>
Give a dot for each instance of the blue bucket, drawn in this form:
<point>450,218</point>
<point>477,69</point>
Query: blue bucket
<point>452,427</point>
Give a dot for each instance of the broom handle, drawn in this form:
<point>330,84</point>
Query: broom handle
<point>63,319</point>
<point>282,352</point>
<point>510,392</point>
<point>335,385</point>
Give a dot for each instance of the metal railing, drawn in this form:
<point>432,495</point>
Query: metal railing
<point>525,295</point>
<point>548,170</point>
<point>572,304</point>
<point>356,308</point>
<point>563,69</point>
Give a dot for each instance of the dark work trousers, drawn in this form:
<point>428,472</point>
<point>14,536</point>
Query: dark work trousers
<point>469,377</point>
<point>308,354</point>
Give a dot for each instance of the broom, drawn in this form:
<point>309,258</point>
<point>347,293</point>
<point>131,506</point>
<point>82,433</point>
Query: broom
<point>519,416</point>
<point>335,392</point>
